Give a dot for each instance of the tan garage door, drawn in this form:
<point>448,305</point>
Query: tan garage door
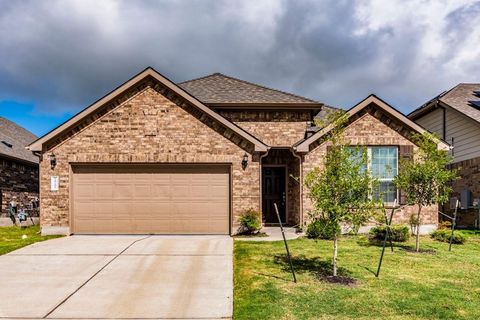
<point>164,199</point>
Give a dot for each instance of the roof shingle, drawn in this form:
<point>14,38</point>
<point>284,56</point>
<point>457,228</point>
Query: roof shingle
<point>464,98</point>
<point>14,139</point>
<point>218,89</point>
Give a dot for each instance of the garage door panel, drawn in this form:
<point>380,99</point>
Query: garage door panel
<point>84,190</point>
<point>142,191</point>
<point>161,192</point>
<point>161,199</point>
<point>122,190</point>
<point>219,193</point>
<point>103,190</point>
<point>118,226</point>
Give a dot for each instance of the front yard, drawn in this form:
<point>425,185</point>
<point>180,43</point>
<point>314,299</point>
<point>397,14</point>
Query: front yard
<point>13,238</point>
<point>444,285</point>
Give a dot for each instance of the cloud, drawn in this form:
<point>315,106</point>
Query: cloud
<point>63,55</point>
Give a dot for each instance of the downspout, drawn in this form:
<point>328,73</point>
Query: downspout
<point>444,127</point>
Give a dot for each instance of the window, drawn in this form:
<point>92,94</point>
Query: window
<point>382,162</point>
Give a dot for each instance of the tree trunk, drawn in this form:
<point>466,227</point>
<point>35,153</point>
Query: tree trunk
<point>335,245</point>
<point>417,240</point>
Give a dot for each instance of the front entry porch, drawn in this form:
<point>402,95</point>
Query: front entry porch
<point>280,184</point>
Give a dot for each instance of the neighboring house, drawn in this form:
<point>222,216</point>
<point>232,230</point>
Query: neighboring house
<point>18,168</point>
<point>158,157</point>
<point>455,116</point>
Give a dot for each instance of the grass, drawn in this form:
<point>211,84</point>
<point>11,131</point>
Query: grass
<point>444,285</point>
<point>12,238</point>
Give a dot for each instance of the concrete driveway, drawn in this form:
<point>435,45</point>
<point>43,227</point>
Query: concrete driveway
<point>110,277</point>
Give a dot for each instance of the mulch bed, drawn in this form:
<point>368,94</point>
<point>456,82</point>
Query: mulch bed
<point>342,280</point>
<point>426,251</point>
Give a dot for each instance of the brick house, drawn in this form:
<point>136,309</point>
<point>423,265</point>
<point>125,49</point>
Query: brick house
<point>455,116</point>
<point>158,157</point>
<point>18,169</point>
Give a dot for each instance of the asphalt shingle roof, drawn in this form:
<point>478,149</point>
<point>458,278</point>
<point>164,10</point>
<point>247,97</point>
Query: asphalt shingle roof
<point>14,139</point>
<point>219,89</point>
<point>465,98</point>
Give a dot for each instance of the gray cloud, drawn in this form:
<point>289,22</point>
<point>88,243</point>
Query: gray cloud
<point>63,55</point>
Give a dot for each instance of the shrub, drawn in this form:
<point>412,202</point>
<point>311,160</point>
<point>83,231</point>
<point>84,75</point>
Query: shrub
<point>322,228</point>
<point>445,235</point>
<point>445,225</point>
<point>398,233</point>
<point>250,221</point>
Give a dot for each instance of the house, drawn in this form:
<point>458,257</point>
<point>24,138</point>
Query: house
<point>18,169</point>
<point>153,156</point>
<point>455,116</point>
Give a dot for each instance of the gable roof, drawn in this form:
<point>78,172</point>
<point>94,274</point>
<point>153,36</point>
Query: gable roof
<point>148,72</point>
<point>464,97</point>
<point>14,139</point>
<point>303,146</point>
<point>219,90</point>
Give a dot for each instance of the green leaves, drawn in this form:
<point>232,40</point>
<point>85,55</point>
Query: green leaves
<point>426,180</point>
<point>340,190</point>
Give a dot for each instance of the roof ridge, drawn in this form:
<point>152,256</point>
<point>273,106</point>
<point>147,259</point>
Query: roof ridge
<point>200,78</point>
<point>254,84</point>
<point>268,88</point>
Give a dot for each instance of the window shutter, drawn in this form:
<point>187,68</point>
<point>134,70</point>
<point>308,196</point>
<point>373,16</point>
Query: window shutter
<point>405,153</point>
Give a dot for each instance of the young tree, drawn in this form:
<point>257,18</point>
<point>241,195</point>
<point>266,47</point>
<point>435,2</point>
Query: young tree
<point>339,190</point>
<point>425,180</point>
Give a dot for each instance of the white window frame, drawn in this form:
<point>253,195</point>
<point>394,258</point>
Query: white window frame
<point>369,166</point>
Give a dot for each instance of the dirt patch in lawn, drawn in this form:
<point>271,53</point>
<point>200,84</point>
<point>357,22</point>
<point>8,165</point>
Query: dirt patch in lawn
<point>346,281</point>
<point>321,270</point>
<point>424,251</point>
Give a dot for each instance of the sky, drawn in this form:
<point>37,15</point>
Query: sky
<point>58,57</point>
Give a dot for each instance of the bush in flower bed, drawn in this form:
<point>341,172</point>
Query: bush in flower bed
<point>398,233</point>
<point>444,235</point>
<point>250,221</point>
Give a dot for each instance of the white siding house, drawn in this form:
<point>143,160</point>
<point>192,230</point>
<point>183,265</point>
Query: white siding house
<point>455,117</point>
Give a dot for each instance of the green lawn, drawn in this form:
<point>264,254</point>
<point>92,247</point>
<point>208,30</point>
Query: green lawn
<point>11,238</point>
<point>445,285</point>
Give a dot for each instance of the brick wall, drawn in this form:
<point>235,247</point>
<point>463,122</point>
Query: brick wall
<point>146,128</point>
<point>469,179</point>
<point>19,181</point>
<point>367,130</point>
<point>275,128</point>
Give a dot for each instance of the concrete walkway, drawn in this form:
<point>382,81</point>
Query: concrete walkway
<point>110,277</point>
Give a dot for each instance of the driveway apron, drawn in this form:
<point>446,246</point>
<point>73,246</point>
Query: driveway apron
<point>119,277</point>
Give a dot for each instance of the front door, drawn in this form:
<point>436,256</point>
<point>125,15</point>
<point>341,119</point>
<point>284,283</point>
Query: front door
<point>273,191</point>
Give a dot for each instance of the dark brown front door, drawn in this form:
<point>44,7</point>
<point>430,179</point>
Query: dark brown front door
<point>273,191</point>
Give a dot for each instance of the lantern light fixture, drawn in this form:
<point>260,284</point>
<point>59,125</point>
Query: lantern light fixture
<point>53,160</point>
<point>245,161</point>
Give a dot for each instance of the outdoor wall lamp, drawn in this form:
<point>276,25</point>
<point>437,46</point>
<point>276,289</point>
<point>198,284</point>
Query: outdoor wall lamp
<point>245,161</point>
<point>53,160</point>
